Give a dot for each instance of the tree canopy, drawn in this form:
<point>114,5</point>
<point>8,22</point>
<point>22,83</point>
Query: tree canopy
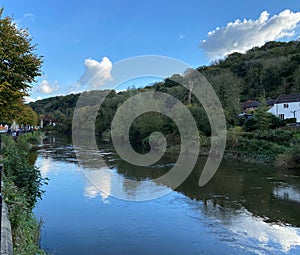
<point>261,73</point>
<point>267,71</point>
<point>19,65</point>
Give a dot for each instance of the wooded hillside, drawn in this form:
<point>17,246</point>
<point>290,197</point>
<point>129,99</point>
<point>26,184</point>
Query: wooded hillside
<point>261,73</point>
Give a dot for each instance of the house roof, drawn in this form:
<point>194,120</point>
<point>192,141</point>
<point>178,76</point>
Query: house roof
<point>250,104</point>
<point>288,98</point>
<point>271,102</point>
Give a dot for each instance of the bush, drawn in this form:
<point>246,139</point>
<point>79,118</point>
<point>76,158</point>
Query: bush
<point>290,120</point>
<point>19,171</point>
<point>25,227</point>
<point>233,136</point>
<point>262,120</point>
<point>291,157</point>
<point>22,187</point>
<point>294,152</point>
<point>259,149</point>
<point>259,146</point>
<point>282,137</point>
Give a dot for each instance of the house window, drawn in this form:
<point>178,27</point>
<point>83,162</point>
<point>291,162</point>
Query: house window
<point>281,116</point>
<point>286,105</point>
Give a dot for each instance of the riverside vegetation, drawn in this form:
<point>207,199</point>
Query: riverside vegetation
<point>19,67</point>
<point>22,189</point>
<point>261,74</point>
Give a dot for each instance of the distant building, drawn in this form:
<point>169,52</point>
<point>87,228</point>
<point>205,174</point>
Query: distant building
<point>286,107</point>
<point>45,122</point>
<point>250,105</point>
<point>270,102</point>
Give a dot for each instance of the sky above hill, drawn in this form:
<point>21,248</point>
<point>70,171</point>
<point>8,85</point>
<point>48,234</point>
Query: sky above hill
<point>84,39</point>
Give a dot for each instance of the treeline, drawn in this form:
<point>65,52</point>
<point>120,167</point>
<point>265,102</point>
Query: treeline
<point>261,73</point>
<point>60,109</point>
<point>267,71</point>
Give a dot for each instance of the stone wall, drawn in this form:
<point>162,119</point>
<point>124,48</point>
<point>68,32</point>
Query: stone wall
<point>6,240</point>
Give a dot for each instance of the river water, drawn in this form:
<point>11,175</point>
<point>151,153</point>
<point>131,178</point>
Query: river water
<point>245,209</point>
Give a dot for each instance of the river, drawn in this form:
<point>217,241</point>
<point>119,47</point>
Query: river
<point>245,209</point>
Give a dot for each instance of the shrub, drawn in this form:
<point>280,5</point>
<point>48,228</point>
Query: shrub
<point>251,149</point>
<point>19,171</point>
<point>282,137</point>
<point>22,188</point>
<point>291,157</point>
<point>262,120</point>
<point>25,227</point>
<point>290,120</point>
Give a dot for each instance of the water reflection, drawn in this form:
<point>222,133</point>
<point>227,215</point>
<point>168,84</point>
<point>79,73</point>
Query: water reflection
<point>271,237</point>
<point>249,230</point>
<point>92,192</point>
<point>287,192</point>
<point>249,207</point>
<point>45,166</point>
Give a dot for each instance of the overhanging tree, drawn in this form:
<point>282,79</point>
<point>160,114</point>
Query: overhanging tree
<point>27,116</point>
<point>19,65</point>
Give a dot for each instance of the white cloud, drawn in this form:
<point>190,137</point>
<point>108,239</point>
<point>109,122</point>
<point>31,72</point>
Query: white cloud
<point>30,16</point>
<point>240,36</point>
<point>29,99</point>
<point>45,87</point>
<point>96,73</point>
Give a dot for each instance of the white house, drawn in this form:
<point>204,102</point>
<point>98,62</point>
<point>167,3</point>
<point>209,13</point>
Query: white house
<point>287,106</point>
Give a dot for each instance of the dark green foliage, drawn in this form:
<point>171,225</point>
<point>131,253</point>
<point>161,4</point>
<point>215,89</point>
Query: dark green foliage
<point>22,189</point>
<point>290,120</point>
<point>25,227</point>
<point>268,71</point>
<point>227,86</point>
<point>17,169</point>
<point>145,125</point>
<point>279,147</point>
<point>290,158</point>
<point>261,73</point>
<point>201,119</point>
<point>282,137</point>
<point>260,150</point>
<point>259,146</point>
<point>295,152</point>
<point>262,120</point>
<point>59,109</point>
<point>64,105</point>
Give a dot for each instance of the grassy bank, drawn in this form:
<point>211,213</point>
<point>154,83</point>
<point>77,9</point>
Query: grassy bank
<point>278,147</point>
<point>22,189</point>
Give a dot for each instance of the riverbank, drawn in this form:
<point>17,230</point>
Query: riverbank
<point>277,147</point>
<point>22,183</point>
<point>273,147</point>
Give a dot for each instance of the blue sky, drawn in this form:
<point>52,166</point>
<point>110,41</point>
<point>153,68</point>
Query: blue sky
<point>79,38</point>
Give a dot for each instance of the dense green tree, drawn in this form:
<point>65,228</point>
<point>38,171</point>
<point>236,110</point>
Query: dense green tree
<point>27,116</point>
<point>267,71</point>
<point>227,86</point>
<point>296,77</point>
<point>262,120</point>
<point>19,64</point>
<point>260,73</point>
